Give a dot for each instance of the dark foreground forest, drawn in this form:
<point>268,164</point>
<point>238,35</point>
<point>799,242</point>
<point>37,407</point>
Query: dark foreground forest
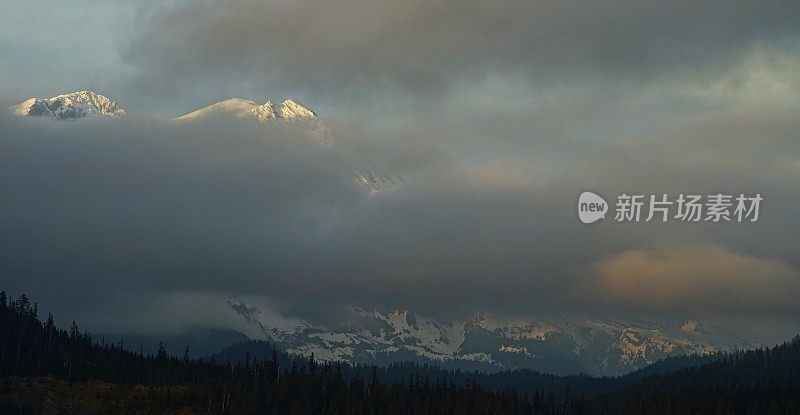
<point>44,369</point>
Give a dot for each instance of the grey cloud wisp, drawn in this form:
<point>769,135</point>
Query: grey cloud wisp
<point>347,49</point>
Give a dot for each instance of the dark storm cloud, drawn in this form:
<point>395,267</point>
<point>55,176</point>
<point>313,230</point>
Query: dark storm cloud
<point>355,48</point>
<point>118,216</point>
<point>107,206</point>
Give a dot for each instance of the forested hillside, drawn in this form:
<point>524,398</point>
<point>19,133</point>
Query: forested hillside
<point>44,369</point>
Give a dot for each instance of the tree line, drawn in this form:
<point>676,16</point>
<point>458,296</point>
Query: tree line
<point>764,381</point>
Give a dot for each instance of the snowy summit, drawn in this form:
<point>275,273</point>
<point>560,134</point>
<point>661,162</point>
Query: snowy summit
<point>288,110</point>
<point>70,106</point>
<point>242,108</point>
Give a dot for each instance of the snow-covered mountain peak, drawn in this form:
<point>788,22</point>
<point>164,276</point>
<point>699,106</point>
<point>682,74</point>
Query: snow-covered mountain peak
<point>246,109</point>
<point>70,106</point>
<point>288,111</point>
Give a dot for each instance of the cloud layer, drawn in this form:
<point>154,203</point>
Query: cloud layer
<point>346,48</point>
<point>223,208</point>
<point>497,115</point>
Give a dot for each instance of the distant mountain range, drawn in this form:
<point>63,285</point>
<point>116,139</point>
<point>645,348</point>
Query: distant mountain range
<point>602,346</point>
<point>76,105</point>
<point>44,369</point>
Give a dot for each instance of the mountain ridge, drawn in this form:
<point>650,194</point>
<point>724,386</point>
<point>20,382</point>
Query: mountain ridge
<point>602,346</point>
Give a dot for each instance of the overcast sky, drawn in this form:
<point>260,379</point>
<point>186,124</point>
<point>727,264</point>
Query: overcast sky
<point>497,114</point>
